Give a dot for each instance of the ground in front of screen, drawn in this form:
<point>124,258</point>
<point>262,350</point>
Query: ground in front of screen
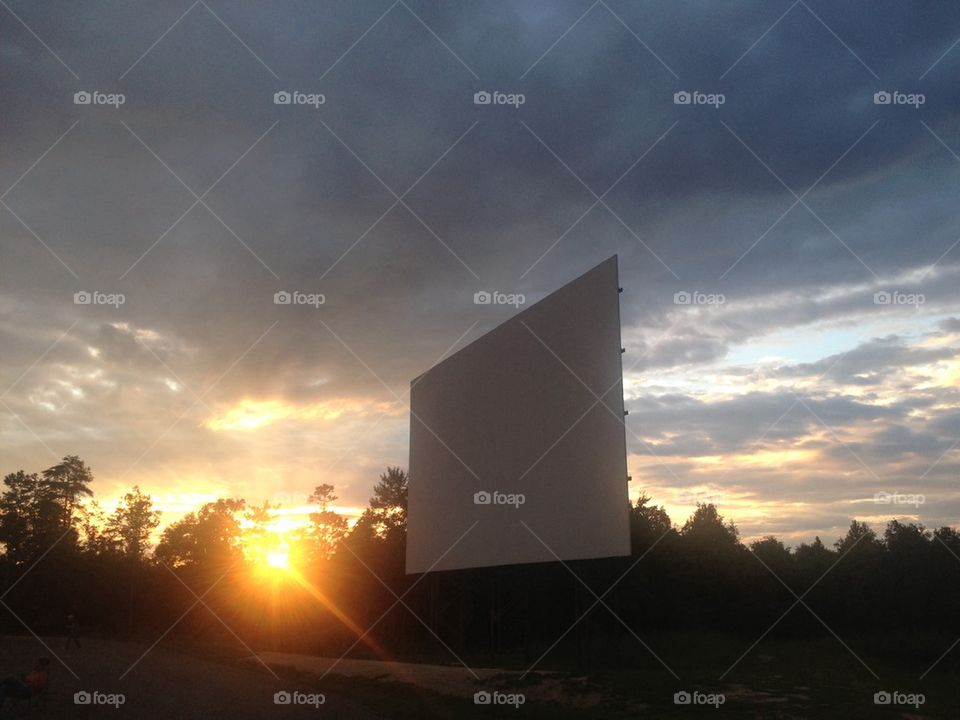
<point>777,679</point>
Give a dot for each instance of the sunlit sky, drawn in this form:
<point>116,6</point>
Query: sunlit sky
<point>790,405</point>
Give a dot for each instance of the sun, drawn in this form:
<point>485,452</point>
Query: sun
<point>272,561</point>
<point>279,559</point>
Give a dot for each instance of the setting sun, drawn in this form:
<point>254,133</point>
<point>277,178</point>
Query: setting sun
<point>271,556</point>
<point>279,559</point>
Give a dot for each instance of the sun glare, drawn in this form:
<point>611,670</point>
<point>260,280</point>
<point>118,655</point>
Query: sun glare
<point>270,557</point>
<point>279,559</point>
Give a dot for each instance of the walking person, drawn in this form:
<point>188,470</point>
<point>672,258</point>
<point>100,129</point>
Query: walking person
<point>73,631</point>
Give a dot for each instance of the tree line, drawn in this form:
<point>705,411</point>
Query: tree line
<point>62,554</point>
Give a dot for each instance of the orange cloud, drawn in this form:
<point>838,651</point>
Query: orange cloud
<point>251,414</point>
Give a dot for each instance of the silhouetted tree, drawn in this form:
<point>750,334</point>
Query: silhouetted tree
<point>774,554</point>
<point>700,576</point>
<point>648,523</point>
<point>38,512</point>
<point>327,528</point>
<point>209,537</point>
<point>860,535</point>
<point>69,482</point>
<point>707,528</point>
<point>133,521</point>
<point>812,561</point>
<point>98,538</point>
<point>387,515</point>
<point>258,517</point>
<point>909,542</point>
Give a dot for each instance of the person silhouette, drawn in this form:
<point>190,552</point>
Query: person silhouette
<point>73,631</point>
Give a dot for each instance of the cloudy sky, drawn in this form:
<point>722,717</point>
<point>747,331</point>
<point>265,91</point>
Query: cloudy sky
<point>812,227</point>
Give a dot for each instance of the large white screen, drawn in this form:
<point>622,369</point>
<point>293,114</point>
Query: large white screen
<point>517,412</point>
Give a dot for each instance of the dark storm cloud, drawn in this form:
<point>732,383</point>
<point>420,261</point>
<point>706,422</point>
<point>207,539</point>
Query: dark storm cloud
<point>299,198</point>
<point>896,441</point>
<point>678,347</point>
<point>735,425</point>
<point>598,98</point>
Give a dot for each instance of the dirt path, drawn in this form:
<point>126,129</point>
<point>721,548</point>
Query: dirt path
<point>454,680</point>
<point>447,679</point>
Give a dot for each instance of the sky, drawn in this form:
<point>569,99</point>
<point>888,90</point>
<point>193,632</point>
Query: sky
<point>787,239</point>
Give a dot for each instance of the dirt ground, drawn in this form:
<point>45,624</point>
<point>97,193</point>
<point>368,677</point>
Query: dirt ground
<point>164,684</point>
<point>447,679</point>
<point>453,680</point>
<point>799,680</point>
<point>173,685</point>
